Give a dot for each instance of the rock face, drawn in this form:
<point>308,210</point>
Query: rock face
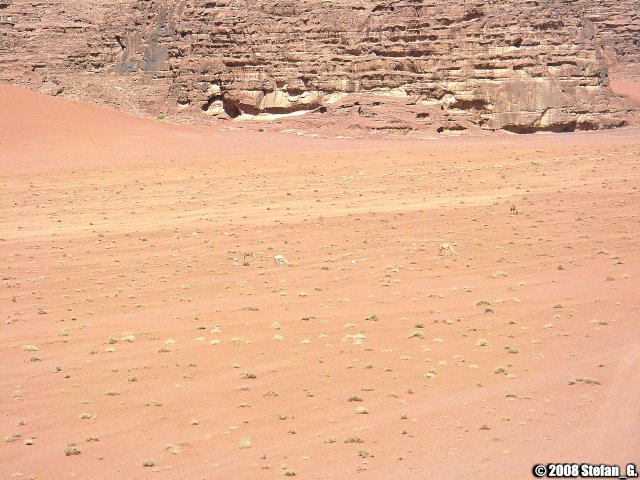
<point>517,65</point>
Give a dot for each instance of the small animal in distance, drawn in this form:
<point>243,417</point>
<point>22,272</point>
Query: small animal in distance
<point>446,248</point>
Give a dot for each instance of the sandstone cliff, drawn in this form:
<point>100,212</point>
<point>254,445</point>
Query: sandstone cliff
<point>518,65</point>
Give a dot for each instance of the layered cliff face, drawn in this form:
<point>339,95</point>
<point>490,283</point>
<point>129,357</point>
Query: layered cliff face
<point>519,65</point>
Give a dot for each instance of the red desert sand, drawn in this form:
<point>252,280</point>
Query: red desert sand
<point>139,342</point>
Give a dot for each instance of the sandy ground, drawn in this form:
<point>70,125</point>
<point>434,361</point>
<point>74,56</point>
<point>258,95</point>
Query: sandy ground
<point>130,338</point>
<point>627,87</point>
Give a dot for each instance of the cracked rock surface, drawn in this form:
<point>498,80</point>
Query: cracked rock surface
<point>519,66</point>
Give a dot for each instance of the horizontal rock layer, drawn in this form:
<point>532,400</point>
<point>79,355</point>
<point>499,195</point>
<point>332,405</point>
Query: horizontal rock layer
<point>519,65</point>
